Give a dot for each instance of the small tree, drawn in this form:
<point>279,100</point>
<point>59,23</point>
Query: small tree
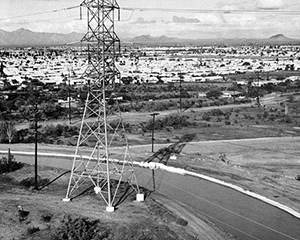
<point>7,131</point>
<point>10,130</point>
<point>214,93</point>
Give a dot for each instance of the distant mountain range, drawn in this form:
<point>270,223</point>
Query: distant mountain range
<point>25,37</point>
<point>148,39</point>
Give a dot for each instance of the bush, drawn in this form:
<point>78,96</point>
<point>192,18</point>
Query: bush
<point>175,121</point>
<point>33,230</point>
<point>216,112</point>
<point>47,134</point>
<point>81,228</point>
<point>227,123</point>
<point>30,181</point>
<point>47,217</point>
<point>9,165</point>
<point>214,93</point>
<point>206,117</point>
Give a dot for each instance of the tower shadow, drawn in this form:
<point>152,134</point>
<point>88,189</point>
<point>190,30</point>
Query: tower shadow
<point>163,155</point>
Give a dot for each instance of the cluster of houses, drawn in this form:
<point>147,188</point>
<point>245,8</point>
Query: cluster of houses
<point>27,65</point>
<point>150,64</point>
<point>207,64</point>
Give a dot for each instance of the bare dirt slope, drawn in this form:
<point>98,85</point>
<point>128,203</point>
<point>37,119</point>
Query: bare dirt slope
<point>48,217</point>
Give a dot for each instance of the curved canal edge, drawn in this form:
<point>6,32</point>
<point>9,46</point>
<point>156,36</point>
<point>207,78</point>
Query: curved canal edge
<point>154,166</point>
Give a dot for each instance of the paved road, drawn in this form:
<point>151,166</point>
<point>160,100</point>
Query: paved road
<point>241,215</point>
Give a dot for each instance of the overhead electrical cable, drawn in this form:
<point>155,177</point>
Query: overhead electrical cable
<point>35,21</point>
<point>128,19</point>
<point>219,11</point>
<point>183,10</point>
<point>40,13</point>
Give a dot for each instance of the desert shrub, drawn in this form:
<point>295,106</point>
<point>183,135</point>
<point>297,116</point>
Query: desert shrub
<point>287,119</point>
<point>214,93</point>
<point>82,229</point>
<point>60,130</point>
<point>47,217</point>
<point>47,134</point>
<point>271,118</point>
<point>30,181</point>
<point>175,120</point>
<point>216,112</point>
<point>217,103</point>
<point>33,230</point>
<point>9,165</point>
<point>206,117</point>
<point>116,124</point>
<point>227,115</point>
<point>227,122</point>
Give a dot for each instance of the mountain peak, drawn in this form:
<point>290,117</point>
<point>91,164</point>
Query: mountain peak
<point>22,30</point>
<point>280,37</point>
<point>25,37</point>
<point>149,39</point>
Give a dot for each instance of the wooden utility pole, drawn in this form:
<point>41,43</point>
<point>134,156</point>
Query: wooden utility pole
<point>35,148</point>
<point>153,126</point>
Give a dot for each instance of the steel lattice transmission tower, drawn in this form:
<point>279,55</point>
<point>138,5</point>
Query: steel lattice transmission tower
<point>102,123</point>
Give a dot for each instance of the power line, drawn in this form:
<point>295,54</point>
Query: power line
<point>41,20</point>
<point>40,13</point>
<point>128,19</point>
<point>219,11</point>
<point>183,10</point>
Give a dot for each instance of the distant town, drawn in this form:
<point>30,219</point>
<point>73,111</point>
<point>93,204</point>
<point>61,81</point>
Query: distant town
<point>53,66</point>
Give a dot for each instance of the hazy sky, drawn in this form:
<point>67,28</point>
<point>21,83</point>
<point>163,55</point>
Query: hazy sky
<point>156,23</point>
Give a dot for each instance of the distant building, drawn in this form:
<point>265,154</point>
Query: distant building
<point>201,94</point>
<point>231,94</point>
<point>214,79</point>
<point>65,103</point>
